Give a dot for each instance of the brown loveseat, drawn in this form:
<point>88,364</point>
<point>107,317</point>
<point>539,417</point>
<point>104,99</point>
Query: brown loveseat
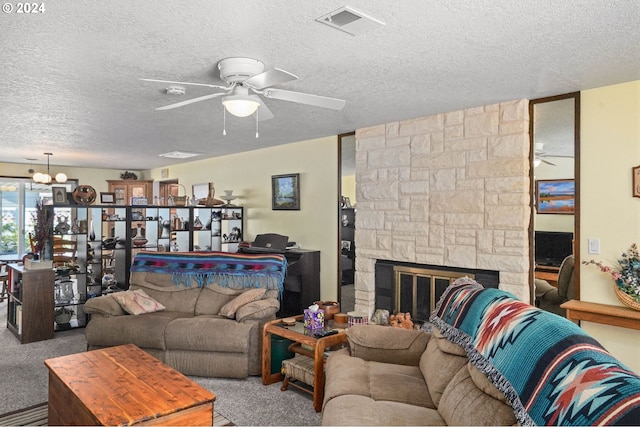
<point>190,334</point>
<point>489,360</point>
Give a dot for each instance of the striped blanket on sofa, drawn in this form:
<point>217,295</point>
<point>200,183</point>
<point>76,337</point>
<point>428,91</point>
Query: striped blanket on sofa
<point>232,270</point>
<point>551,371</point>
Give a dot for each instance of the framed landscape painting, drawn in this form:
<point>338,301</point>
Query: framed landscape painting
<point>285,192</point>
<point>556,196</point>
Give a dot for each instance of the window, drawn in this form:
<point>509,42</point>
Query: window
<point>18,198</point>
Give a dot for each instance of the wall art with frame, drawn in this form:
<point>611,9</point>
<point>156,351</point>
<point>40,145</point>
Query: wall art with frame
<point>635,181</point>
<point>107,198</point>
<point>59,195</point>
<point>555,196</point>
<point>285,192</point>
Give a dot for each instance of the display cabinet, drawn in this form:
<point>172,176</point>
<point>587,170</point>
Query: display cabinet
<point>30,306</point>
<point>125,189</point>
<point>107,237</point>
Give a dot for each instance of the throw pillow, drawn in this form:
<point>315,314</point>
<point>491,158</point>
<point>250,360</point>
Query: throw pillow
<point>230,308</point>
<point>137,302</point>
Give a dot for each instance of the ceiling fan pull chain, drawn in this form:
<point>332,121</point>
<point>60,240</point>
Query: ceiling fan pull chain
<point>257,112</point>
<point>224,121</point>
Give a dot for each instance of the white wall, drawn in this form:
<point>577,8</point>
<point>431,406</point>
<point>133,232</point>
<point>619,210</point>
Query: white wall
<point>610,147</point>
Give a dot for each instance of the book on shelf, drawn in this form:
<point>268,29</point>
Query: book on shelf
<point>19,319</point>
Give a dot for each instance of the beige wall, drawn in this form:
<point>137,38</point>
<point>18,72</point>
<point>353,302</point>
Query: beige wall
<point>610,147</point>
<point>248,174</point>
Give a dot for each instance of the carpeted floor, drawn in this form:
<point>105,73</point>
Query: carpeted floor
<point>24,382</point>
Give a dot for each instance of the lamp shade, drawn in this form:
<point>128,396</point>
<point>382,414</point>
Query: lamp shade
<point>60,177</point>
<point>241,105</point>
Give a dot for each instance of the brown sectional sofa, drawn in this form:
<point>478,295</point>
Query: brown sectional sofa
<point>488,360</point>
<point>189,334</point>
<point>392,376</point>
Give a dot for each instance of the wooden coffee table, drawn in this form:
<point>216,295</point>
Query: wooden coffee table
<point>123,385</point>
<point>298,334</point>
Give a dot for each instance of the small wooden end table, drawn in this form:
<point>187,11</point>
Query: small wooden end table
<point>299,334</point>
<point>123,385</point>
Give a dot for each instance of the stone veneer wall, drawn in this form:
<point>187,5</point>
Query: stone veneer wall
<point>450,189</point>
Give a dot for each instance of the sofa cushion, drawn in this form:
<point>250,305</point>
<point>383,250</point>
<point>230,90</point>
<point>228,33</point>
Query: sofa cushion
<point>386,344</point>
<point>353,410</point>
<point>208,333</point>
<point>163,289</point>
<point>249,295</point>
<point>482,382</point>
<point>346,375</point>
<point>213,297</point>
<point>438,366</point>
<point>137,302</point>
<point>258,310</point>
<point>104,305</point>
<point>463,403</point>
<point>145,331</point>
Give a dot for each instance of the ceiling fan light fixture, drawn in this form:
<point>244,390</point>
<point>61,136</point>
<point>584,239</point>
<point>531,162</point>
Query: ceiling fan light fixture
<point>241,105</point>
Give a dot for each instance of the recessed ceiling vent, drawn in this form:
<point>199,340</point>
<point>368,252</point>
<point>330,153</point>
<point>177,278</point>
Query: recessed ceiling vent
<point>178,155</point>
<point>350,21</point>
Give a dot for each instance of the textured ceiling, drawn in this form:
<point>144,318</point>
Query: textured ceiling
<point>70,75</point>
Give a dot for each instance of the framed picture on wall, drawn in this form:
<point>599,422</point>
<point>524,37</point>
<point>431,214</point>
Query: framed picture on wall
<point>635,181</point>
<point>285,192</point>
<point>107,198</point>
<point>59,195</point>
<point>555,196</point>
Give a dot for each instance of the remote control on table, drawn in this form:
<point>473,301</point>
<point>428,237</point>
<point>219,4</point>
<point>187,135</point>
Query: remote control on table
<point>323,334</point>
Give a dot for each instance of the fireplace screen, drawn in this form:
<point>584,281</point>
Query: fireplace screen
<point>417,290</point>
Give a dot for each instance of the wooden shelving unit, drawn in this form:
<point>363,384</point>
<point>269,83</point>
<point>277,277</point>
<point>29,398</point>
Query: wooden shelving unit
<point>30,309</point>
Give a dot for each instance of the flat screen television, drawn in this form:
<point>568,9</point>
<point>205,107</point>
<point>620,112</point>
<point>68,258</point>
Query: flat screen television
<point>552,247</point>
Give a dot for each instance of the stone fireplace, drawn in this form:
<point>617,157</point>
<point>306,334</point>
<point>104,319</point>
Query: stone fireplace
<point>402,287</point>
<point>449,190</point>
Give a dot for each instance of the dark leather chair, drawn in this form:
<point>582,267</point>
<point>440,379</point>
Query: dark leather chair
<point>549,297</point>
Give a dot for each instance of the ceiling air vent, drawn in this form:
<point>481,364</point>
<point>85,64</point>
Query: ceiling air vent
<point>178,155</point>
<point>350,21</point>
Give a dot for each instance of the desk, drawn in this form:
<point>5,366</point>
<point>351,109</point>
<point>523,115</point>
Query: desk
<point>298,334</point>
<point>550,274</point>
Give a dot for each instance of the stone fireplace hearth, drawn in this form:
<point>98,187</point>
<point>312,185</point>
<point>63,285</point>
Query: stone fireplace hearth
<point>446,190</point>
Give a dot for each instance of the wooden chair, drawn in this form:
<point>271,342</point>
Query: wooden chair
<point>64,251</point>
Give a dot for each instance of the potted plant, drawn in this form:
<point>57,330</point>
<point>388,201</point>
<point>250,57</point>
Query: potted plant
<point>626,276</point>
<point>41,236</point>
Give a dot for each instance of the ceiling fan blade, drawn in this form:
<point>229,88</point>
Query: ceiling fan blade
<point>547,162</point>
<point>305,98</point>
<point>191,101</point>
<point>270,78</point>
<point>264,113</point>
<point>186,83</point>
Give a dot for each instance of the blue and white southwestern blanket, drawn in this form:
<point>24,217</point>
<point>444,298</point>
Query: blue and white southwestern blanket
<point>551,372</point>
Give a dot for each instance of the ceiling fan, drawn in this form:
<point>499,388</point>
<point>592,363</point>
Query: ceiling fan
<point>539,155</point>
<point>245,77</point>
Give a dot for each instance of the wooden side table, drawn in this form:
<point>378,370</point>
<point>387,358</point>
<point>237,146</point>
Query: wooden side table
<point>300,335</point>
